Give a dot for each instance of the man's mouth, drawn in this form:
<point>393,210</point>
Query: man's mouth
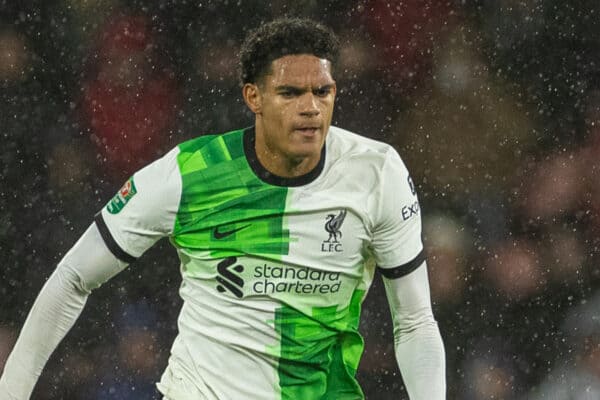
<point>307,130</point>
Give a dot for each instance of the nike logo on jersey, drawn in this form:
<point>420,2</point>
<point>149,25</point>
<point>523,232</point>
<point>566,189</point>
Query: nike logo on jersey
<point>217,234</point>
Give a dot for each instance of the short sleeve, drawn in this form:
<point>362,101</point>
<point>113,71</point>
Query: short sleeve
<point>396,243</point>
<point>143,210</point>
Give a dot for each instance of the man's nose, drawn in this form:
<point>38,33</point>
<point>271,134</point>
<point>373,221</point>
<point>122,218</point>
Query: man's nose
<point>308,104</point>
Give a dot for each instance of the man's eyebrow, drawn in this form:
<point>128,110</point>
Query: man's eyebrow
<point>289,88</point>
<point>296,89</point>
<point>328,86</point>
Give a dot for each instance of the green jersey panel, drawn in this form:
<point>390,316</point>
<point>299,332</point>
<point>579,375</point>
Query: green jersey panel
<point>225,209</point>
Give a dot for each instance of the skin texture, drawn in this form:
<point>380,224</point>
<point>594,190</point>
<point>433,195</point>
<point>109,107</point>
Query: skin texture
<point>293,106</point>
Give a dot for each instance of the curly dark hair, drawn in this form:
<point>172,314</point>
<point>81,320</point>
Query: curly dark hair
<point>281,37</point>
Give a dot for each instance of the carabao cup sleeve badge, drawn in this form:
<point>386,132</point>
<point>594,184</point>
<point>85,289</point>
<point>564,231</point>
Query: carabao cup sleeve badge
<point>116,204</point>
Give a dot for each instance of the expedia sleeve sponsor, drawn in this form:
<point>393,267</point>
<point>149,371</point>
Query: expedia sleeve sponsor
<point>396,215</point>
<point>410,211</point>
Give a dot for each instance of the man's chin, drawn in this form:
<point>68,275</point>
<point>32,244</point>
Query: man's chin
<point>312,151</point>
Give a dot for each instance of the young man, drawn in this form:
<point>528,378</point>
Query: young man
<point>278,228</point>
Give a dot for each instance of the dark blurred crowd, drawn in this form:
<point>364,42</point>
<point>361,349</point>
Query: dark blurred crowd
<point>493,105</point>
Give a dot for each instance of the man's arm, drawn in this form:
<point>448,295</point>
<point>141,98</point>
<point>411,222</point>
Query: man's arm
<point>418,343</point>
<point>85,267</point>
<point>142,212</point>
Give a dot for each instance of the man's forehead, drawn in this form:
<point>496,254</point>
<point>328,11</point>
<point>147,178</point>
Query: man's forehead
<point>301,69</point>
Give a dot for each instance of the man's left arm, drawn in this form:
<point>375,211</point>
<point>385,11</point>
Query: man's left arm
<point>417,341</point>
<point>400,257</point>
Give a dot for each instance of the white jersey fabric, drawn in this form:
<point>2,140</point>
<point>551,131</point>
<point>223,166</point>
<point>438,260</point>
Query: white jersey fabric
<point>274,270</point>
<point>275,257</point>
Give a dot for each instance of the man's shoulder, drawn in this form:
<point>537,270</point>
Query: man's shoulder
<point>199,142</point>
<point>344,143</point>
<point>209,150</point>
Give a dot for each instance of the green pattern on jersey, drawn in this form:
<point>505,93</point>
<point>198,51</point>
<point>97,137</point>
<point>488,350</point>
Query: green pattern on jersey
<point>320,354</point>
<point>225,211</point>
<point>221,194</point>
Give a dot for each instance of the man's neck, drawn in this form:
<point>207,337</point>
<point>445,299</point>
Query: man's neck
<point>285,167</point>
<point>280,164</point>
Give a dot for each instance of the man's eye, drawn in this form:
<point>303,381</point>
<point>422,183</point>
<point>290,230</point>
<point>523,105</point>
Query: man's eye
<point>322,92</point>
<point>287,95</point>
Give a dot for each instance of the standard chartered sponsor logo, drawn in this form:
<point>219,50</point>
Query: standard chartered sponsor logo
<point>280,279</point>
<point>270,279</point>
<point>227,279</point>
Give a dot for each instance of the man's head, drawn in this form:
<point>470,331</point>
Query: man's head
<point>282,37</point>
<point>286,72</point>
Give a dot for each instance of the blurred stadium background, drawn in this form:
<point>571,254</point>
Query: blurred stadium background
<point>493,104</point>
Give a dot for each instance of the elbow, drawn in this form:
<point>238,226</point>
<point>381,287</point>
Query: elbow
<point>70,280</point>
<point>421,324</point>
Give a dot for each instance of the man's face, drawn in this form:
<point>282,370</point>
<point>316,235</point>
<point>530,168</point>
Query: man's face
<point>294,106</point>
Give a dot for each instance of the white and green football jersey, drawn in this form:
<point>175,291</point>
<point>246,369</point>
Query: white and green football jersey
<point>274,269</point>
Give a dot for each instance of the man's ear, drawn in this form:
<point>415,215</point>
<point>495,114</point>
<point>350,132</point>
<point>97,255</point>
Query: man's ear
<point>252,97</point>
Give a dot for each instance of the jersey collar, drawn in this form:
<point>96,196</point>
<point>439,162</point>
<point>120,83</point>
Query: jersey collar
<point>263,174</point>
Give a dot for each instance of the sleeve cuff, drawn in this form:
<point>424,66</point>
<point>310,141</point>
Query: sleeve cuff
<point>404,269</point>
<point>110,242</point>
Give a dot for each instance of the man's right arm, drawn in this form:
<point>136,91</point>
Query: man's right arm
<point>85,267</point>
<point>142,212</point>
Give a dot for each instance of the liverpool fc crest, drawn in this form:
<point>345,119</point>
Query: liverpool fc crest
<point>333,224</point>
